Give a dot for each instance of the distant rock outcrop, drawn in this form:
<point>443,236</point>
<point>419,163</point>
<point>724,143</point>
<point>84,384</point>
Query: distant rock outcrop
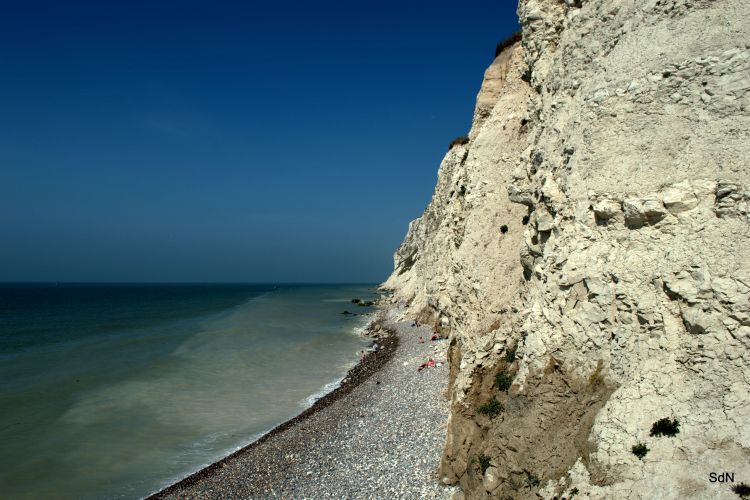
<point>588,252</point>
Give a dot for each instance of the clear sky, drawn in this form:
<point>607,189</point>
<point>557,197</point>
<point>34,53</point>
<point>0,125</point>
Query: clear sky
<point>228,141</point>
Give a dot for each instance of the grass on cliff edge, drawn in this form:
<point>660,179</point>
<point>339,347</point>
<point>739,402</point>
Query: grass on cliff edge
<point>515,37</point>
<point>464,139</point>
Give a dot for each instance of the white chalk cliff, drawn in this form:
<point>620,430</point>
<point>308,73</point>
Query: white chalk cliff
<point>591,242</point>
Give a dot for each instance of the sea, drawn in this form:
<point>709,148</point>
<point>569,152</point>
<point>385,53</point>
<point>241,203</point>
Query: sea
<point>118,390</point>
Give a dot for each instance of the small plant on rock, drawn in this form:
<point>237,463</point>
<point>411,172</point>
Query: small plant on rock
<point>515,37</point>
<point>503,380</point>
<point>640,450</point>
<point>464,139</point>
<point>484,463</point>
<point>531,480</point>
<point>596,379</point>
<point>491,408</point>
<point>510,354</point>
<point>742,490</point>
<point>665,427</point>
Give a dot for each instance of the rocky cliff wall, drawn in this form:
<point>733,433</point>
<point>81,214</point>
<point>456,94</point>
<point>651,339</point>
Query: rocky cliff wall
<point>588,252</point>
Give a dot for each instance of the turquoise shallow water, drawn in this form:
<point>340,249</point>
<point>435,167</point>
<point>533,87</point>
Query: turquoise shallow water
<point>113,391</point>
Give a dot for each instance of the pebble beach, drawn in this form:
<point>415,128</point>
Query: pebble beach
<point>380,435</point>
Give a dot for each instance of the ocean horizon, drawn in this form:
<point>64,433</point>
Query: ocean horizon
<point>119,389</point>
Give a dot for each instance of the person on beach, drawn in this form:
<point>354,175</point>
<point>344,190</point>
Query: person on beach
<point>430,363</point>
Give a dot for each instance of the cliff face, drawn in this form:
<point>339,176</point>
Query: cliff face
<point>590,244</point>
<point>455,260</point>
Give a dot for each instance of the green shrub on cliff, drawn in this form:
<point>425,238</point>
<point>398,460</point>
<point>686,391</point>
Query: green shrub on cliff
<point>503,380</point>
<point>665,427</point>
<point>742,490</point>
<point>532,480</point>
<point>491,408</point>
<point>639,450</point>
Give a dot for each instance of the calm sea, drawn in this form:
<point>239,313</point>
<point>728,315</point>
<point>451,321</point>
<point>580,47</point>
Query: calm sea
<point>113,391</point>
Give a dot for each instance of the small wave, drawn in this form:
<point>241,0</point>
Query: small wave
<point>212,459</point>
<point>329,387</point>
<point>363,325</point>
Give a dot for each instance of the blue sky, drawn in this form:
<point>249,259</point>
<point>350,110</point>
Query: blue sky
<point>228,141</point>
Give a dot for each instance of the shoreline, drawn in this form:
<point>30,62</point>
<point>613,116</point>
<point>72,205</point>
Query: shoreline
<point>370,363</point>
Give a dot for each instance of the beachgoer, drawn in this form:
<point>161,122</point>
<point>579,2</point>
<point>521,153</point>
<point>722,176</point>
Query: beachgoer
<point>427,364</point>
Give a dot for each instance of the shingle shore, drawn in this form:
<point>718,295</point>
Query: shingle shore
<point>379,436</point>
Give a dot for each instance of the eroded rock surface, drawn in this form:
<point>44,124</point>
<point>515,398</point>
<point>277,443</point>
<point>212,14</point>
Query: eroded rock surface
<point>591,242</point>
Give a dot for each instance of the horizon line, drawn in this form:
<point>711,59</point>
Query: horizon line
<point>40,282</point>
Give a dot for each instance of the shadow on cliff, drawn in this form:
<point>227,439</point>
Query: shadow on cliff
<point>511,442</point>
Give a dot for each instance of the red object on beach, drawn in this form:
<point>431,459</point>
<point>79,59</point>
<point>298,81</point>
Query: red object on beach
<point>434,336</point>
<point>430,363</point>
